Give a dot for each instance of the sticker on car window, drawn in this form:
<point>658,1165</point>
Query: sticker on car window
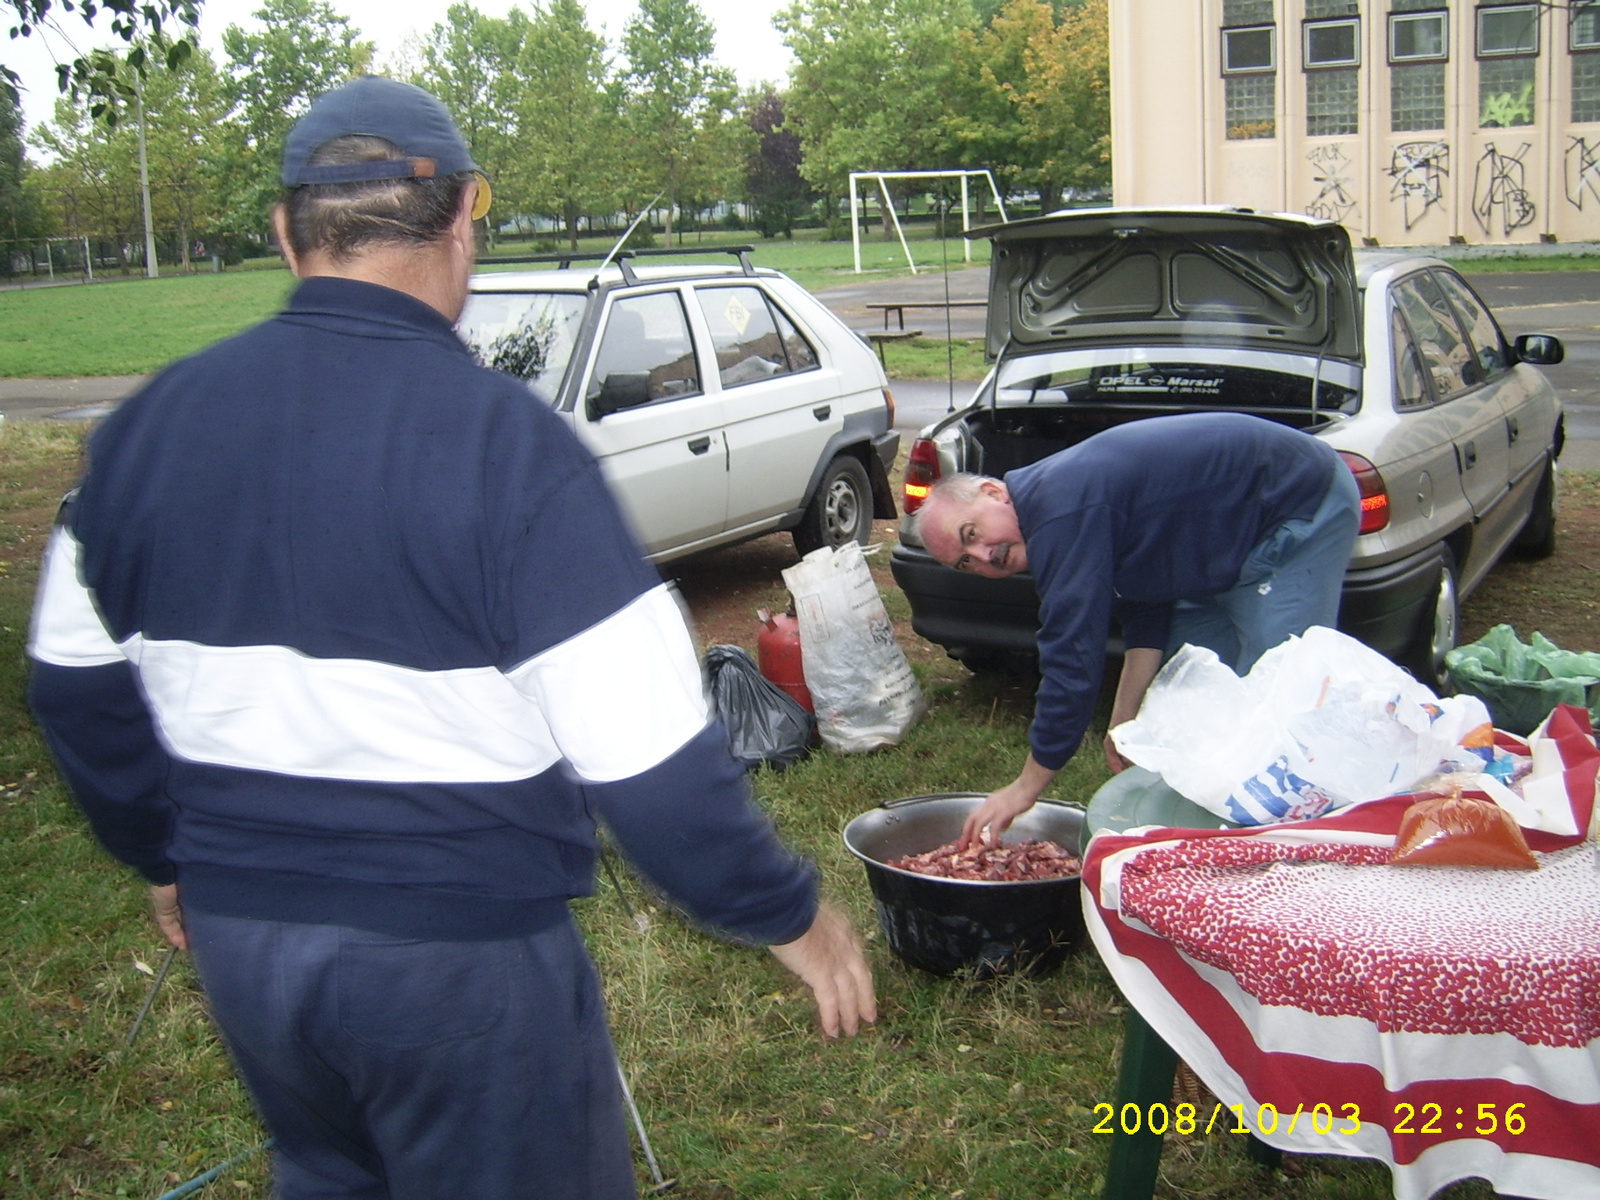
<point>738,315</point>
<point>1187,385</point>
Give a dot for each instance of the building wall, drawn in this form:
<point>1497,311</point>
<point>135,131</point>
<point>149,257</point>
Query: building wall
<point>1499,161</point>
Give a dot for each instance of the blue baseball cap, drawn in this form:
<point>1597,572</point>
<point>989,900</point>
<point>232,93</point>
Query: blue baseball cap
<point>371,106</point>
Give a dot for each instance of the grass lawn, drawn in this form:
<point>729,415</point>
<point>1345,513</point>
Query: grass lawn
<point>133,326</point>
<point>963,1088</point>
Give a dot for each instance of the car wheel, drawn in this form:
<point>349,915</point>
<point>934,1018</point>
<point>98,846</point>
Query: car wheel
<point>841,511</point>
<point>1538,536</point>
<point>1439,629</point>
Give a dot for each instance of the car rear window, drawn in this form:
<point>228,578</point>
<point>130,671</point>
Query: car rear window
<point>526,334</point>
<point>1245,384</point>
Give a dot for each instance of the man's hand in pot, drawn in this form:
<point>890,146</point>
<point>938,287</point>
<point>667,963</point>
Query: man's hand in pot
<point>994,816</point>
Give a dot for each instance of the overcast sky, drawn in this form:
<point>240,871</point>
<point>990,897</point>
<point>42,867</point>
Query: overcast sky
<point>746,40</point>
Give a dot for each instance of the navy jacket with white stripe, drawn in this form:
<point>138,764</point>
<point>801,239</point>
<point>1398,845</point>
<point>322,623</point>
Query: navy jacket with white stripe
<point>342,628</point>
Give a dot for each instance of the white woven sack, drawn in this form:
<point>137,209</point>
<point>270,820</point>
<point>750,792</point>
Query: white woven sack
<point>860,682</point>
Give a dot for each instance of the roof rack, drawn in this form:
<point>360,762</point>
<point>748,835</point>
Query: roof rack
<point>564,261</point>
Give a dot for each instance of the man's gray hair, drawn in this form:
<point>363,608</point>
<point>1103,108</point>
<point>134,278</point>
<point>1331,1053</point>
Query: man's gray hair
<point>961,488</point>
<point>342,219</point>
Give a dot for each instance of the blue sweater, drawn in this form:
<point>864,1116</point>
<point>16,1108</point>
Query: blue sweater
<point>343,628</point>
<point>1136,517</point>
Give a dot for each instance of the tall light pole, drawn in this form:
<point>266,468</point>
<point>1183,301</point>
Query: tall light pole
<point>144,185</point>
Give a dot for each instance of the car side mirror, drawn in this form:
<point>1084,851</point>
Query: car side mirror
<point>618,392</point>
<point>1540,349</point>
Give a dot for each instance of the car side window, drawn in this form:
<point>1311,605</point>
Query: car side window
<point>1445,354</point>
<point>801,356</point>
<point>646,351</point>
<point>753,341</point>
<point>1488,343</point>
<point>1410,387</point>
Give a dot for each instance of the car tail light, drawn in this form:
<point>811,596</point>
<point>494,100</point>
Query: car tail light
<point>1374,496</point>
<point>922,469</point>
<point>888,400</point>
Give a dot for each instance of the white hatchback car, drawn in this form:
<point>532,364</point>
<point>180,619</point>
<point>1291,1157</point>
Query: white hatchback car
<point>723,403</point>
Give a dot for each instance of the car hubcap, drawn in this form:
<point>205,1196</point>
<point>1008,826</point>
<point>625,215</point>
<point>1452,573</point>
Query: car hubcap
<point>1444,621</point>
<point>842,512</point>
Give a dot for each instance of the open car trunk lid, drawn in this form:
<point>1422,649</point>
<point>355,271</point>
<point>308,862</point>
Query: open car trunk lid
<point>1212,277</point>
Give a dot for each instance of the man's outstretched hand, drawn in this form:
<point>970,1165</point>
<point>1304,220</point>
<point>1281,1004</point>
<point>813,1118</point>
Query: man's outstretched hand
<point>828,959</point>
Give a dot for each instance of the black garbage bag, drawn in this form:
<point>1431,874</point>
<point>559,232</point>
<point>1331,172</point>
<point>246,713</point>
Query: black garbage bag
<point>765,724</point>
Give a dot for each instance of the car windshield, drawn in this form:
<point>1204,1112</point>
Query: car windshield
<point>1233,379</point>
<point>526,334</point>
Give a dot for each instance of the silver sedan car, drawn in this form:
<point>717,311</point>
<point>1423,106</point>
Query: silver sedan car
<point>1103,316</point>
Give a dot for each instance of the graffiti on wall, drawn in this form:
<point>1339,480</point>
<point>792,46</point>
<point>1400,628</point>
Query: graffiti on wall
<point>1331,173</point>
<point>1418,171</point>
<point>1583,171</point>
<point>1499,190</point>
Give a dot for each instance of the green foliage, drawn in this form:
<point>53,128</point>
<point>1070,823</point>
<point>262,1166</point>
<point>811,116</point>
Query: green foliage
<point>875,84</point>
<point>21,215</point>
<point>302,49</point>
<point>93,184</point>
<point>678,108</point>
<point>567,162</point>
<point>470,62</point>
<point>98,76</point>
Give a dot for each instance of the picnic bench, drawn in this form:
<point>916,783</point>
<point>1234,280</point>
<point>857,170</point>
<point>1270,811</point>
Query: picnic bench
<point>879,337</point>
<point>898,307</point>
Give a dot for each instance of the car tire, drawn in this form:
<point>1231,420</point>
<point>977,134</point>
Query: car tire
<point>1439,630</point>
<point>1538,536</point>
<point>841,509</point>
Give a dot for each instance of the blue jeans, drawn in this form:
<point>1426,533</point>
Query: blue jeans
<point>394,1069</point>
<point>1291,581</point>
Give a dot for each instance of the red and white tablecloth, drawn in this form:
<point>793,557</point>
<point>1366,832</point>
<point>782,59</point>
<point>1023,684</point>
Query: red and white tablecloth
<point>1290,967</point>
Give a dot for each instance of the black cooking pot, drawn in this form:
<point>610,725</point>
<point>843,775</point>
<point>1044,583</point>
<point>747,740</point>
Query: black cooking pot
<point>984,927</point>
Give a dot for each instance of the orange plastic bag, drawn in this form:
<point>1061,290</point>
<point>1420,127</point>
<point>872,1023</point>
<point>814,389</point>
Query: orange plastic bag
<point>1459,831</point>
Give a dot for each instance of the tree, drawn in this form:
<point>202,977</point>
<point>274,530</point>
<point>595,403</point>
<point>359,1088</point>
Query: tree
<point>773,181</point>
<point>679,105</point>
<point>101,75</point>
<point>566,161</point>
<point>1067,110</point>
<point>470,62</point>
<point>875,85</point>
<point>303,48</point>
<point>94,182</point>
<point>19,211</point>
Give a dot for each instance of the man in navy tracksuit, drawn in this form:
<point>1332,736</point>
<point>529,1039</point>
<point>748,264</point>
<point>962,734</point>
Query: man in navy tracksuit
<point>343,644</point>
<point>1216,529</point>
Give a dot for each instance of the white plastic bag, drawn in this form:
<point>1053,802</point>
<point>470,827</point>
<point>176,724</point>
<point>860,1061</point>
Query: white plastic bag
<point>860,682</point>
<point>1320,722</point>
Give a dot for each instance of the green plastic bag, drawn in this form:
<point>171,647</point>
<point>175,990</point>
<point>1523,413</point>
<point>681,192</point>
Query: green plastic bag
<point>1520,683</point>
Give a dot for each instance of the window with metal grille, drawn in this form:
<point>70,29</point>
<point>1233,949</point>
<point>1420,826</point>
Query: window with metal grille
<point>1416,96</point>
<point>1583,29</point>
<point>1250,106</point>
<point>1331,103</point>
<point>1505,92</point>
<point>1586,87</point>
<point>1246,12</point>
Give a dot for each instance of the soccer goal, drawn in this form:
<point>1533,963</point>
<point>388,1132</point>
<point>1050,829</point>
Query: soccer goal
<point>883,177</point>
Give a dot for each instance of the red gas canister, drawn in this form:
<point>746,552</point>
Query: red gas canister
<point>778,652</point>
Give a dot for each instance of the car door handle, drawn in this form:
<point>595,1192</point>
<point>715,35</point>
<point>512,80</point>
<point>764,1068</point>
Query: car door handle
<point>822,411</point>
<point>1511,429</point>
<point>699,445</point>
<point>1470,453</point>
